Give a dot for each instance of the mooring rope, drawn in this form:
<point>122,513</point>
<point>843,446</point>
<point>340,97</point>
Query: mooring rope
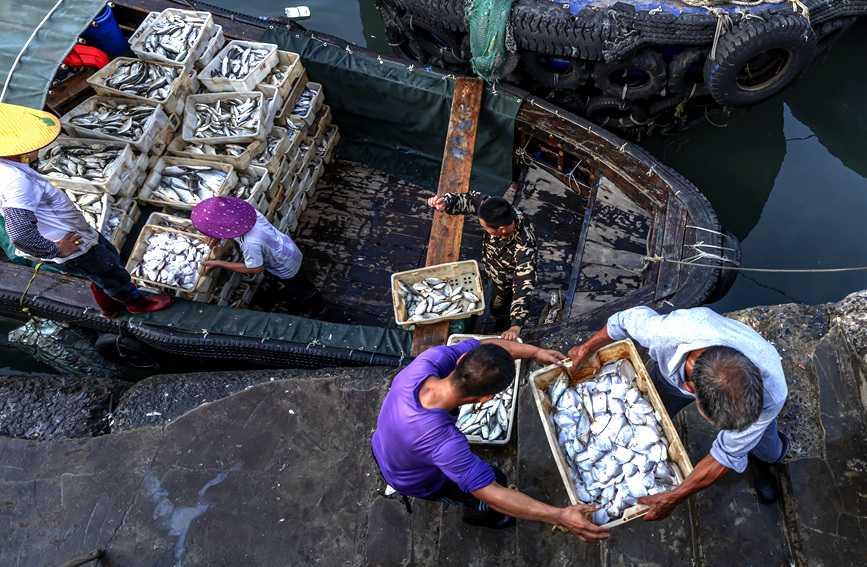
<point>653,259</point>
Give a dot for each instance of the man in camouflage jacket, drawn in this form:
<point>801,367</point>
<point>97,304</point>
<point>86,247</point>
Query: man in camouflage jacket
<point>508,254</point>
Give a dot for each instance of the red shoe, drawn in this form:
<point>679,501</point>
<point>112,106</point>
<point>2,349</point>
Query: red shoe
<point>142,303</point>
<point>107,305</point>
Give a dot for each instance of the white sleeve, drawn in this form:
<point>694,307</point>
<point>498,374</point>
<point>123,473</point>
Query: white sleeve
<point>252,251</point>
<point>18,192</point>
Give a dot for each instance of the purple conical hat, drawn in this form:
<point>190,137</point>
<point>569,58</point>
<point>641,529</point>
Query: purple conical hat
<point>223,217</point>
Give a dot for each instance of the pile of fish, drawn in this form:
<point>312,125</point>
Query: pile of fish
<point>189,184</point>
<point>239,61</point>
<point>302,106</point>
<point>612,440</point>
<point>488,420</point>
<point>203,149</point>
<point>227,117</point>
<point>434,298</point>
<point>172,259</point>
<point>91,163</point>
<point>277,75</point>
<point>112,222</point>
<point>143,78</point>
<point>305,145</point>
<point>243,189</point>
<point>270,150</point>
<point>90,205</point>
<point>324,145</point>
<point>174,35</point>
<point>116,119</point>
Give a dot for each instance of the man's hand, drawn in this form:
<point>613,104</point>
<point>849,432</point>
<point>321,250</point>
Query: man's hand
<point>68,244</point>
<point>578,355</point>
<point>511,333</point>
<point>574,519</point>
<point>661,505</point>
<point>547,357</point>
<point>437,202</point>
<point>211,242</point>
<point>209,265</point>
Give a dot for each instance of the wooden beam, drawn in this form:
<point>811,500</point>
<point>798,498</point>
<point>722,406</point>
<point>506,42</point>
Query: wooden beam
<point>445,234</point>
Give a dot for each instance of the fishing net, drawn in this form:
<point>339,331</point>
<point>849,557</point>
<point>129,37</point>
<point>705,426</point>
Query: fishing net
<point>491,41</point>
<point>69,350</point>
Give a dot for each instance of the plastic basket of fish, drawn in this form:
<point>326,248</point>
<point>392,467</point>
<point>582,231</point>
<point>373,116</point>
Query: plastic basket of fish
<point>238,156</point>
<point>215,44</point>
<point>308,104</point>
<point>119,222</point>
<point>173,36</point>
<point>174,222</point>
<point>123,120</point>
<point>92,203</point>
<point>134,179</point>
<point>437,293</point>
<point>491,422</point>
<point>325,149</point>
<point>282,76</point>
<point>220,118</point>
<point>95,165</point>
<point>147,81</point>
<point>322,120</point>
<point>611,437</point>
<point>306,152</point>
<point>289,222</point>
<point>275,206</point>
<point>181,183</point>
<point>251,186</point>
<point>164,137</point>
<point>171,259</point>
<point>293,136</point>
<point>289,102</point>
<point>274,150</point>
<point>239,66</point>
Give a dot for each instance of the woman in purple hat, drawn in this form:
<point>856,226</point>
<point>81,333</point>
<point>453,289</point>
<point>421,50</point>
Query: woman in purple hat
<point>262,246</point>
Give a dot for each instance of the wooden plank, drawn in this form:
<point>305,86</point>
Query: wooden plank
<point>595,253</point>
<point>596,277</point>
<point>568,311</point>
<point>445,237</point>
<point>673,228</point>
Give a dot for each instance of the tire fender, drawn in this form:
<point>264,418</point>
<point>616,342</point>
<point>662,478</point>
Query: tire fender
<point>686,72</point>
<point>554,72</point>
<point>611,112</point>
<point>434,41</point>
<point>640,76</point>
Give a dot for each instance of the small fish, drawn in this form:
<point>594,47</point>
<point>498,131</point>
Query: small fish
<point>239,61</point>
<point>114,118</point>
<point>172,259</point>
<point>146,79</point>
<point>174,35</point>
<point>235,115</point>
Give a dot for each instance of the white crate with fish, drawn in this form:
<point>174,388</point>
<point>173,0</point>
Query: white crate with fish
<point>325,149</point>
<point>147,81</point>
<point>308,104</point>
<point>275,146</point>
<point>173,36</point>
<point>220,118</point>
<point>289,100</point>
<point>181,183</point>
<point>306,152</point>
<point>215,44</point>
<point>276,206</point>
<point>134,179</point>
<point>122,120</point>
<point>437,293</point>
<point>175,222</point>
<point>293,136</point>
<point>92,203</point>
<point>169,259</point>
<point>251,186</point>
<point>316,167</point>
<point>239,66</point>
<point>298,203</point>
<point>282,76</point>
<point>288,223</point>
<point>489,423</point>
<point>164,137</point>
<point>611,437</point>
<point>122,215</point>
<point>86,164</point>
<point>238,156</point>
<point>321,121</point>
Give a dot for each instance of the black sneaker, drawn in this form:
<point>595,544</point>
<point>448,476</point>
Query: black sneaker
<point>765,477</point>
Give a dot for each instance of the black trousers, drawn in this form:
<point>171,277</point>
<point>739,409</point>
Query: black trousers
<point>450,493</point>
<point>298,292</point>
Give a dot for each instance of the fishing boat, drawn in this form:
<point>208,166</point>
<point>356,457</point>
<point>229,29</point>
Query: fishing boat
<point>616,227</point>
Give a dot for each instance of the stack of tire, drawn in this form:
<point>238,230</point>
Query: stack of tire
<point>636,70</point>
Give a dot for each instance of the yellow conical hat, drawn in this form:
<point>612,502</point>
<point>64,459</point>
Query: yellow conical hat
<point>24,130</point>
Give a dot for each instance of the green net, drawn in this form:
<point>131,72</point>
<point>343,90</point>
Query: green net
<point>490,38</point>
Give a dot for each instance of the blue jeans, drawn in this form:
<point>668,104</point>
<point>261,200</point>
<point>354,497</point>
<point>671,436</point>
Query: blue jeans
<point>101,265</point>
<point>769,448</point>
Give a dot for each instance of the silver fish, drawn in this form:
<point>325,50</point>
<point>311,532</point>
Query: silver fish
<point>488,420</point>
<point>277,75</point>
<point>143,78</point>
<point>188,184</point>
<point>116,119</point>
<point>239,61</point>
<point>174,35</point>
<point>237,116</point>
<point>303,105</point>
<point>171,259</point>
<point>89,163</point>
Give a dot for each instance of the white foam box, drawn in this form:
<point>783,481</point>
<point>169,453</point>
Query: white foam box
<point>541,379</point>
<point>190,121</point>
<point>246,84</point>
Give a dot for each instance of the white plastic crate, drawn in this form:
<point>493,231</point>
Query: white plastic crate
<point>287,59</point>
<point>208,30</point>
<point>290,99</point>
<point>182,85</point>
<point>465,274</point>
<point>249,81</point>
<point>116,171</point>
<point>178,146</point>
<point>257,196</point>
<point>153,180</point>
<point>190,120</point>
<point>315,104</point>
<point>153,127</point>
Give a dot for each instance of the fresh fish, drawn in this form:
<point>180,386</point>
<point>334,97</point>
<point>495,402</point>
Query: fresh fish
<point>237,116</point>
<point>115,118</point>
<point>172,259</point>
<point>90,205</point>
<point>246,184</point>
<point>277,75</point>
<point>92,163</point>
<point>303,105</point>
<point>272,144</point>
<point>239,61</point>
<point>189,184</point>
<point>488,420</point>
<point>112,222</point>
<point>143,78</point>
<point>425,299</point>
<point>174,35</point>
<point>201,148</point>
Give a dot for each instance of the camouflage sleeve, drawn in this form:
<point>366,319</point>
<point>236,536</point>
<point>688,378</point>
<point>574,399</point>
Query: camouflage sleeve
<point>463,203</point>
<point>523,283</point>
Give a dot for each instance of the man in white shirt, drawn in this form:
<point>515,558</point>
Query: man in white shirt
<point>42,221</point>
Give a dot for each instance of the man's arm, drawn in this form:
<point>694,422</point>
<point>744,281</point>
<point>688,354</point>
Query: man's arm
<point>707,472</point>
<point>457,203</point>
<point>23,234</point>
<point>524,351</point>
<point>519,505</point>
<point>234,266</point>
<point>580,353</point>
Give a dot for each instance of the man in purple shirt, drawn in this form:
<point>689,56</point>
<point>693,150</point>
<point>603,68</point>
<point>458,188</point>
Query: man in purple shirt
<point>422,453</point>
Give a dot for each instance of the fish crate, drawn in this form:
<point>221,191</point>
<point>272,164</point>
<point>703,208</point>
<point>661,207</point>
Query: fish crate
<point>134,179</point>
<point>163,138</point>
<point>316,168</point>
<point>290,99</point>
<point>315,104</point>
<point>241,161</point>
<point>478,439</point>
<point>325,150</point>
<point>215,44</point>
<point>289,223</point>
<point>288,59</point>
<point>116,171</point>
<point>541,379</point>
<point>321,121</point>
<point>275,206</point>
<point>254,76</point>
<point>153,127</point>
<point>203,284</point>
<point>188,126</point>
<point>156,174</point>
<point>257,196</point>
<point>106,201</point>
<point>464,274</point>
<point>273,163</point>
<point>178,90</point>
<point>208,31</point>
<point>305,154</point>
<point>129,213</point>
<point>175,222</point>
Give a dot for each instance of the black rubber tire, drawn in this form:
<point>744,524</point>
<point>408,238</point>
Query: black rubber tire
<point>686,72</point>
<point>543,68</point>
<point>610,112</point>
<point>780,48</point>
<point>727,277</point>
<point>126,350</point>
<point>447,13</point>
<point>643,75</point>
<point>665,115</point>
<point>829,32</point>
<point>438,44</point>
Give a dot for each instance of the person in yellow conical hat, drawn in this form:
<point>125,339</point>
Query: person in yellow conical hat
<point>43,222</point>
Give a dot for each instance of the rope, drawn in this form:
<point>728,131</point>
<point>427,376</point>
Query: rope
<point>29,39</point>
<point>651,259</point>
<point>26,289</point>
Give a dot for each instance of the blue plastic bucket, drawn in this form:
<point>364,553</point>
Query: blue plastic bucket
<point>105,34</point>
